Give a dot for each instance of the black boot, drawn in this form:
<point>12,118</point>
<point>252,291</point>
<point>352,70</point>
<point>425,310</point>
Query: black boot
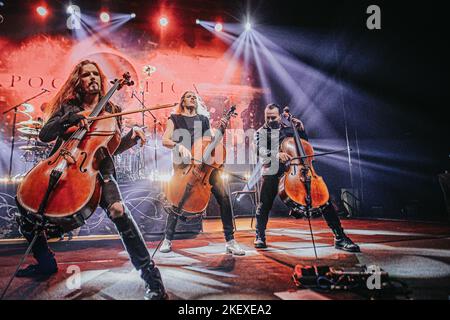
<point>44,268</point>
<point>342,242</point>
<point>46,265</point>
<point>154,287</point>
<point>132,240</point>
<point>140,258</point>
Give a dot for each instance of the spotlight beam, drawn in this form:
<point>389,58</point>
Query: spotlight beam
<point>236,50</point>
<point>261,72</point>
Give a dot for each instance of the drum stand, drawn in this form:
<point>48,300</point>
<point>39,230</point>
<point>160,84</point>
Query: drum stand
<point>14,127</point>
<point>155,122</point>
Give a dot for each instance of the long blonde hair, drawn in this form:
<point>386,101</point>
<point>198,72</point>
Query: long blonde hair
<point>71,89</point>
<point>200,107</point>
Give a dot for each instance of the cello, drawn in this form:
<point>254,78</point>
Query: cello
<point>61,192</point>
<point>301,188</point>
<point>189,189</point>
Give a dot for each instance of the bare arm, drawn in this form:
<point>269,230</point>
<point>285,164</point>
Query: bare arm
<point>167,136</point>
<point>169,143</point>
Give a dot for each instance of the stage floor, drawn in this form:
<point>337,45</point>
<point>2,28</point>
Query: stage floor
<point>198,268</point>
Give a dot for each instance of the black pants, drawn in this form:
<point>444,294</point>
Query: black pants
<point>128,230</point>
<point>219,192</point>
<point>269,190</point>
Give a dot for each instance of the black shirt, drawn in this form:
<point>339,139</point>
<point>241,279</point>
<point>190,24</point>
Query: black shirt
<point>189,123</point>
<point>265,132</point>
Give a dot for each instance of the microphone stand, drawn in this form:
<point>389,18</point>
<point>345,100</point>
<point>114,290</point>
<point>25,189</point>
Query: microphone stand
<point>143,148</point>
<point>155,122</point>
<point>15,108</point>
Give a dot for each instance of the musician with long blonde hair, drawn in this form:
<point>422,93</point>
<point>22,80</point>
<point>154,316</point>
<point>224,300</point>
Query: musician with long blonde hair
<point>82,91</point>
<point>189,115</point>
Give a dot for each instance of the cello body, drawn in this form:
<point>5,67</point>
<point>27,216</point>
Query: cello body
<point>196,175</point>
<point>78,190</point>
<point>292,187</point>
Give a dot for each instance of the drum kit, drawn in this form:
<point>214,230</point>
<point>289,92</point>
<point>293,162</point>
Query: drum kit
<point>33,150</point>
<point>130,165</point>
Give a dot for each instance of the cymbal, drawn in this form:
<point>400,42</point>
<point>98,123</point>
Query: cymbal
<point>32,148</point>
<point>26,138</point>
<point>30,124</point>
<point>30,132</point>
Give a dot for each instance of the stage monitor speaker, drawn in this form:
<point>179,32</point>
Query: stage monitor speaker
<point>351,201</point>
<point>444,181</point>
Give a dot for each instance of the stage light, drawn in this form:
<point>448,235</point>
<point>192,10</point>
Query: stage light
<point>163,21</point>
<point>133,15</point>
<point>218,27</point>
<point>42,11</point>
<point>197,21</point>
<point>104,17</point>
<point>248,26</point>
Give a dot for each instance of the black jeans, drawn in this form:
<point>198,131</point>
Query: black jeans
<point>219,192</point>
<point>269,190</point>
<point>127,228</point>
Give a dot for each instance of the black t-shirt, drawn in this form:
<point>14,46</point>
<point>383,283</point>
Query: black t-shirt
<point>189,123</point>
<point>264,145</point>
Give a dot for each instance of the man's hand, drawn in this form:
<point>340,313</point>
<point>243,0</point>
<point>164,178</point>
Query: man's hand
<point>184,152</point>
<point>283,157</point>
<point>84,123</point>
<point>223,123</point>
<point>139,133</point>
<point>75,119</point>
<point>298,124</point>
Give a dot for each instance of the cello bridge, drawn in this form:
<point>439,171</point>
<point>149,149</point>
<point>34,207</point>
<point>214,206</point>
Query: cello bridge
<point>67,156</point>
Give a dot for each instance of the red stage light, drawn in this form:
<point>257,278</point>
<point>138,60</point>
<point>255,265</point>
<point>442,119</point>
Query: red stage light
<point>163,21</point>
<point>42,11</point>
<point>104,17</point>
<point>218,27</point>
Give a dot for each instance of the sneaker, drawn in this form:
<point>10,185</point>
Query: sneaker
<point>346,244</point>
<point>233,247</point>
<point>166,246</point>
<point>260,243</point>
